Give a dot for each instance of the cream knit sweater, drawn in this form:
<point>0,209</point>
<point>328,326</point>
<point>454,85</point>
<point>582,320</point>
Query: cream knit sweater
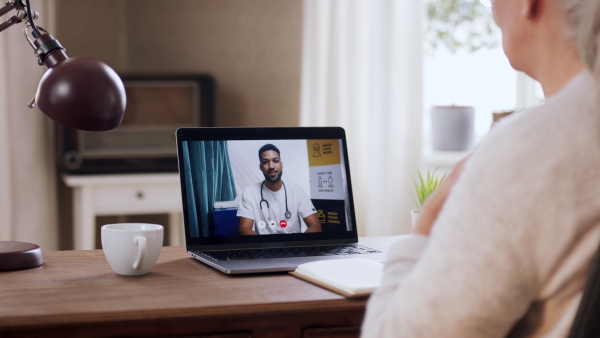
<point>510,251</point>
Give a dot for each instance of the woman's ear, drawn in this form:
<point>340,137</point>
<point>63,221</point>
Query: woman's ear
<point>530,8</point>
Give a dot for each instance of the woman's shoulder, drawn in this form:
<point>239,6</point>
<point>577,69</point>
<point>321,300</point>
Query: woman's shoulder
<point>566,123</point>
<point>549,148</point>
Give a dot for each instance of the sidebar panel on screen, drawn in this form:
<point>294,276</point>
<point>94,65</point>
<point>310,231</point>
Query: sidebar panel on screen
<point>326,184</point>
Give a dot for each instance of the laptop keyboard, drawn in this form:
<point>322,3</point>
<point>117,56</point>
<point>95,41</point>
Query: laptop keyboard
<point>229,255</point>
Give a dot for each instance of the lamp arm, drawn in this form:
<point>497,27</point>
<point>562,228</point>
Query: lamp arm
<point>9,6</point>
<point>81,93</point>
<point>19,17</point>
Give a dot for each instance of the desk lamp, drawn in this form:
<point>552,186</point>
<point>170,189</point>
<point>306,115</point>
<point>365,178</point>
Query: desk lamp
<point>78,92</point>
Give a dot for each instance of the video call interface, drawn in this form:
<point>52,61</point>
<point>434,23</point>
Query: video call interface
<point>240,188</point>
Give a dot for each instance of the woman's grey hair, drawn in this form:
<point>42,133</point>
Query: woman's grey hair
<point>583,17</point>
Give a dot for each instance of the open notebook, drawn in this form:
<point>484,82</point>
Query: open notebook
<point>267,199</point>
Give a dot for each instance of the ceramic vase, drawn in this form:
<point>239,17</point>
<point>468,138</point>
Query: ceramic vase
<point>452,127</point>
<point>414,217</point>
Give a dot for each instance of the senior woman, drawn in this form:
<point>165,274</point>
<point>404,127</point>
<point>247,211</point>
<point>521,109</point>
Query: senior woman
<point>504,246</point>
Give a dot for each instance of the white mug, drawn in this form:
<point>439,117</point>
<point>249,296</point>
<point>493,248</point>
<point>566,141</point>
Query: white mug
<point>132,248</point>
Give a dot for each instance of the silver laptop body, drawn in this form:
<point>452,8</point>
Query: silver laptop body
<point>224,181</point>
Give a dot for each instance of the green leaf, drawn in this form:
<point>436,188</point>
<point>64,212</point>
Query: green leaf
<point>425,187</point>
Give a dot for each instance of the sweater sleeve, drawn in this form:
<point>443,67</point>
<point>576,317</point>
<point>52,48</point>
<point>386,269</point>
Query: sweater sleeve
<point>472,277</point>
<point>400,260</point>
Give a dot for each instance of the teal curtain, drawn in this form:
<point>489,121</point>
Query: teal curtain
<point>208,178</point>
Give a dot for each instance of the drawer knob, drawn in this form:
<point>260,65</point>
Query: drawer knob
<point>140,195</point>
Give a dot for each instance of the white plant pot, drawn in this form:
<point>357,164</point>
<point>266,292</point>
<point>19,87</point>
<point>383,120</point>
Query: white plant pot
<point>452,127</point>
<point>414,216</point>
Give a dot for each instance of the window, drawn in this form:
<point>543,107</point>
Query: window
<point>483,79</point>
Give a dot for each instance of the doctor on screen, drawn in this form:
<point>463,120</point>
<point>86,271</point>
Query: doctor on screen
<point>272,206</point>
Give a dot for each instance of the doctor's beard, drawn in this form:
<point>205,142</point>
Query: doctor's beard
<point>275,180</point>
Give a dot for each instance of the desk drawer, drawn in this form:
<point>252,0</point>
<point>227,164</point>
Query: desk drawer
<point>137,199</point>
<point>338,332</point>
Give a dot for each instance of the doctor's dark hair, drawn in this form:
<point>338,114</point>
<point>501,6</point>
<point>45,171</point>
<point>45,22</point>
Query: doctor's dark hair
<point>266,147</point>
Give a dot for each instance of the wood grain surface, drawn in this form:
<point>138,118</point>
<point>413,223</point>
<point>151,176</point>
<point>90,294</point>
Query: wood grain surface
<point>76,293</point>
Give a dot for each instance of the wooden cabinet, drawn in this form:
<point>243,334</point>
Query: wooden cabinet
<point>123,194</point>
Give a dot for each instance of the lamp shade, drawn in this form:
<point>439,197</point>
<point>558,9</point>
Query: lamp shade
<point>79,92</point>
<point>82,93</point>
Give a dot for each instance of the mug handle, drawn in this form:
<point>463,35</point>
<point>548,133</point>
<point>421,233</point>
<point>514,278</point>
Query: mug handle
<point>140,241</point>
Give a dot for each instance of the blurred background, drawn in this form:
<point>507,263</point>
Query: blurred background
<point>374,67</point>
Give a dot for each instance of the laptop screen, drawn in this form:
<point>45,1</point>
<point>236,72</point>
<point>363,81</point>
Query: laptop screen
<point>261,187</point>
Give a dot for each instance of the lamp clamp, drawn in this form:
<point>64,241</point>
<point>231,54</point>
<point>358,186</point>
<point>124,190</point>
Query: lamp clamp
<point>45,45</point>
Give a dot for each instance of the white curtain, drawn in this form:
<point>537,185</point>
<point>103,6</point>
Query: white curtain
<point>362,70</point>
<point>28,203</point>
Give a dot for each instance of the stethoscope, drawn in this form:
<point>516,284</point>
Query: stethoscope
<point>288,214</point>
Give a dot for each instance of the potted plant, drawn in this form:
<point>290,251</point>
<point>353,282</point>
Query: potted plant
<point>424,187</point>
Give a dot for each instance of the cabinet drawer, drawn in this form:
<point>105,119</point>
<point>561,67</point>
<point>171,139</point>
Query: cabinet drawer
<point>137,199</point>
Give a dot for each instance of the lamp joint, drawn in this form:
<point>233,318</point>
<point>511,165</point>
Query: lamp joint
<point>31,103</point>
<point>23,15</point>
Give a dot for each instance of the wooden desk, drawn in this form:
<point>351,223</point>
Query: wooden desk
<point>75,293</point>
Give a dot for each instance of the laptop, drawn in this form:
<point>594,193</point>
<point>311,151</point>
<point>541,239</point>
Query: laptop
<point>259,200</point>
